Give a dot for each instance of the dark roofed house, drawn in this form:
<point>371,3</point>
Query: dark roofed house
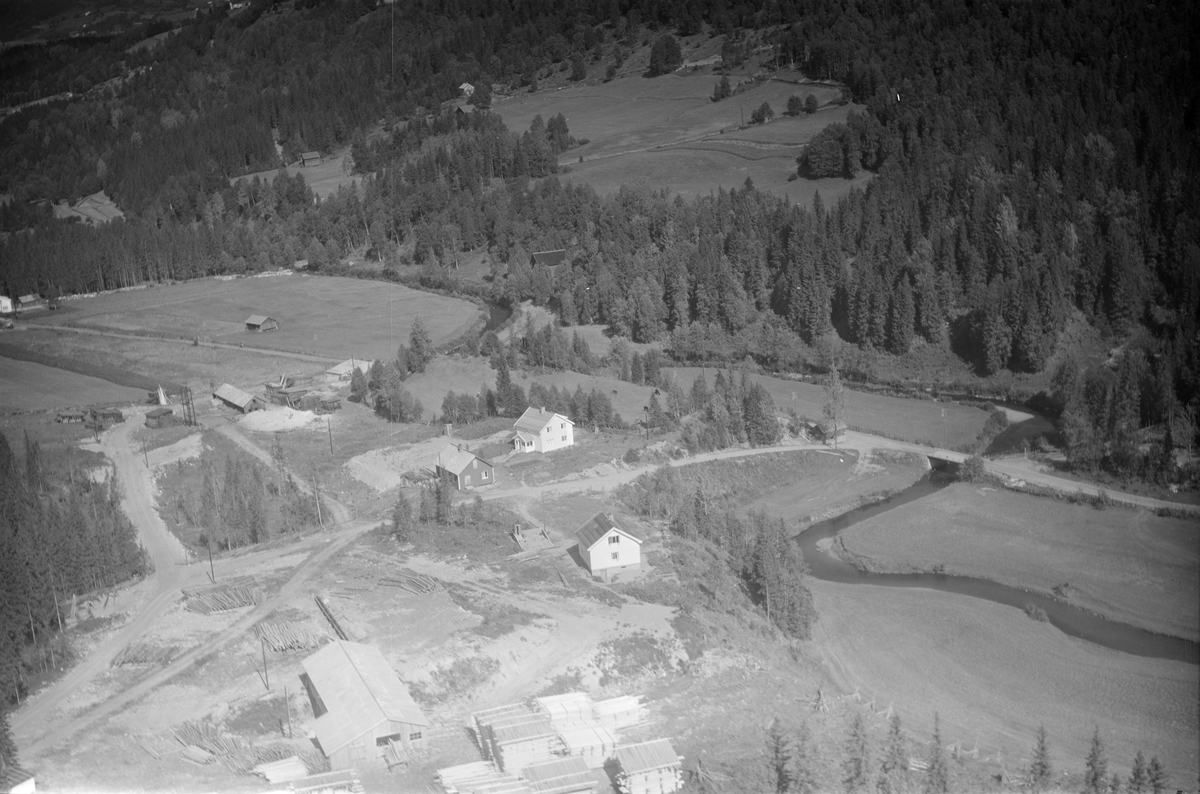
<point>311,158</point>
<point>361,706</point>
<point>236,398</point>
<point>260,322</point>
<point>549,258</point>
<point>467,469</point>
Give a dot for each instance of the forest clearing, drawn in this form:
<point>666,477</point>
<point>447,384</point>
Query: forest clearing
<point>333,317</point>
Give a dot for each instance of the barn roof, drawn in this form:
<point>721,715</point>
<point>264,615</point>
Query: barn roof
<point>598,527</point>
<point>550,258</point>
<point>257,319</point>
<point>360,689</point>
<point>233,395</point>
<point>455,460</point>
<point>654,754</point>
<point>534,419</point>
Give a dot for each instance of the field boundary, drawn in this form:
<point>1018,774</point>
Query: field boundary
<point>120,377</point>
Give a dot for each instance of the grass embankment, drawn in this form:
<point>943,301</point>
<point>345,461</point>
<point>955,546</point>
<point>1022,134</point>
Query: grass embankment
<point>915,421</point>
<point>1130,565</point>
<point>41,382</point>
<point>994,675</point>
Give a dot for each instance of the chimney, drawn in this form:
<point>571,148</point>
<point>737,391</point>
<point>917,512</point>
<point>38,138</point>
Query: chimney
<point>543,410</point>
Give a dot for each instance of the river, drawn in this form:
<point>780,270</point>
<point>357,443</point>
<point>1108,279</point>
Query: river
<point>1069,619</point>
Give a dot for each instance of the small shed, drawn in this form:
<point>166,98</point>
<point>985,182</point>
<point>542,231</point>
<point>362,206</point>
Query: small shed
<point>6,304</point>
<point>552,258</point>
<point>329,405</point>
<point>161,417</point>
<point>310,159</point>
<point>15,780</point>
<point>30,301</point>
<point>260,322</point>
<point>235,398</point>
<point>607,547</point>
<point>69,417</point>
<point>562,776</point>
<point>466,469</point>
<point>107,416</point>
<point>467,89</point>
<point>651,767</point>
<point>361,706</point>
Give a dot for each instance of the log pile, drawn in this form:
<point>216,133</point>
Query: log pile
<point>287,636</point>
<point>224,599</point>
<point>203,743</point>
<point>417,583</point>
<point>143,653</point>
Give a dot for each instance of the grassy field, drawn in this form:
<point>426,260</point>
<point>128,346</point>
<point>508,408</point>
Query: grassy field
<point>333,317</point>
<point>26,386</point>
<point>667,132</point>
<point>443,375</point>
<point>1130,565</point>
<point>324,179</point>
<point>994,675</point>
<point>918,421</point>
<point>627,399</point>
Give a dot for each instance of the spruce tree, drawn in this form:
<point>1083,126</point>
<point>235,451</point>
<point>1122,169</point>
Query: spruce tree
<point>402,519</point>
<point>420,346</point>
<point>893,768</point>
<point>779,748</point>
<point>835,404</point>
<point>1096,774</point>
<point>1157,776</point>
<point>937,777</point>
<point>804,762</point>
<point>1137,776</point>
<point>8,747</point>
<point>1040,770</point>
<point>856,766</point>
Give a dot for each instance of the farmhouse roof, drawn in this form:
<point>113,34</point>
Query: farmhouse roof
<point>360,689</point>
<point>654,754</point>
<point>599,526</point>
<point>550,258</point>
<point>534,420</point>
<point>455,460</point>
<point>257,319</point>
<point>234,395</point>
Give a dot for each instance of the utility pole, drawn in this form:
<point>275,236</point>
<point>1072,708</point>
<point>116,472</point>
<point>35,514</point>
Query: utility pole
<point>317,495</point>
<point>145,455</point>
<point>212,572</point>
<point>329,427</point>
<point>266,673</point>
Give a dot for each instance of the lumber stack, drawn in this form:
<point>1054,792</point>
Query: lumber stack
<point>288,636</point>
<point>587,740</point>
<point>417,583</point>
<point>571,707</point>
<point>480,777</point>
<point>284,771</point>
<point>223,599</point>
<point>328,783</point>
<point>521,744</point>
<point>143,653</point>
<point>619,713</point>
<point>561,776</point>
<point>500,715</point>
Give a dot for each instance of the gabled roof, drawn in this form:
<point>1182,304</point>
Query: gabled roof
<point>257,319</point>
<point>360,689</point>
<point>311,155</point>
<point>535,419</point>
<point>654,754</point>
<point>12,776</point>
<point>455,460</point>
<point>600,525</point>
<point>525,437</point>
<point>550,258</point>
<point>29,298</point>
<point>234,395</point>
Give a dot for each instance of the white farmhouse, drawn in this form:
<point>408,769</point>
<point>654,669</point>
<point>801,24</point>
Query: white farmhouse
<point>6,304</point>
<point>607,547</point>
<point>539,430</point>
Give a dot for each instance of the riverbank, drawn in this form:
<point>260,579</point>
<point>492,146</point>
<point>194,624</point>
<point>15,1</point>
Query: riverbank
<point>1128,565</point>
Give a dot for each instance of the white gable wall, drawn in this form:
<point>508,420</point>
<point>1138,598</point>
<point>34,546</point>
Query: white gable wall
<point>557,433</point>
<point>600,557</point>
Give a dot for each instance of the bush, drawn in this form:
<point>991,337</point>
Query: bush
<point>632,455</point>
<point>1036,613</point>
<point>972,470</point>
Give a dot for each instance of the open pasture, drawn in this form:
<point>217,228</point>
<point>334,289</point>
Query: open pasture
<point>627,399</point>
<point>332,317</point>
<point>1130,565</point>
<point>994,676</point>
<point>324,179</point>
<point>917,421</point>
<point>28,386</point>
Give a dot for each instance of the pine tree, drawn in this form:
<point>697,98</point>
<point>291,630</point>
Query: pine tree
<point>1040,770</point>
<point>893,768</point>
<point>8,747</point>
<point>1157,776</point>
<point>856,766</point>
<point>358,385</point>
<point>1137,776</point>
<point>402,519</point>
<point>804,762</point>
<point>937,777</point>
<point>779,748</point>
<point>1096,772</point>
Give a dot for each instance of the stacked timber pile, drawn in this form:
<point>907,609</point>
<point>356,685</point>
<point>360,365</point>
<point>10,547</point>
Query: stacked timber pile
<point>568,708</point>
<point>223,599</point>
<point>480,777</point>
<point>204,743</point>
<point>417,583</point>
<point>521,744</point>
<point>651,767</point>
<point>587,740</point>
<point>619,713</point>
<point>500,715</point>
<point>288,636</point>
<point>328,783</point>
<point>562,776</point>
<point>285,771</point>
<point>143,653</point>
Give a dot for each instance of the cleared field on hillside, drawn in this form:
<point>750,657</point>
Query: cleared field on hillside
<point>324,179</point>
<point>28,386</point>
<point>1133,566</point>
<point>918,421</point>
<point>627,399</point>
<point>443,375</point>
<point>667,132</point>
<point>994,675</point>
<point>333,317</point>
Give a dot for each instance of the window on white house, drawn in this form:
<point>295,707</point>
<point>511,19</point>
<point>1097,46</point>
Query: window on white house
<point>614,539</point>
<point>564,438</point>
<point>412,737</point>
<point>484,474</point>
<point>616,554</point>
